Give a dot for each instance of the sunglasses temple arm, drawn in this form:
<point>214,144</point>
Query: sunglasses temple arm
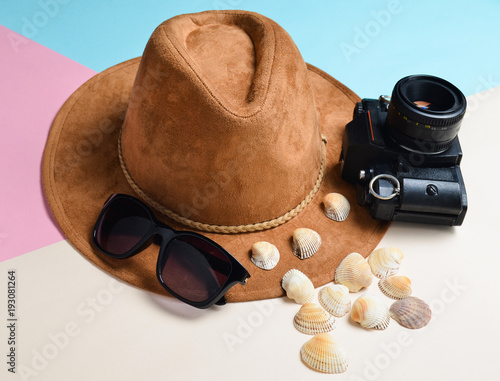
<point>241,273</point>
<point>243,276</point>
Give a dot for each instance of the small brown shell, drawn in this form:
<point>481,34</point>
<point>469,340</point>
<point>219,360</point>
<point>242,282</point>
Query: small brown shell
<point>265,255</point>
<point>298,286</point>
<point>312,319</point>
<point>335,299</point>
<point>411,312</point>
<point>354,272</point>
<point>370,312</point>
<point>323,354</point>
<point>306,242</point>
<point>385,261</point>
<point>395,287</point>
<point>336,206</point>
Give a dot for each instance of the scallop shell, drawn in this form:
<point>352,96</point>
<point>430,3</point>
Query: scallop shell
<point>265,255</point>
<point>335,299</point>
<point>298,286</point>
<point>354,272</point>
<point>385,261</point>
<point>323,354</point>
<point>336,206</point>
<point>312,319</point>
<point>395,287</point>
<point>411,312</point>
<point>305,243</point>
<point>370,312</point>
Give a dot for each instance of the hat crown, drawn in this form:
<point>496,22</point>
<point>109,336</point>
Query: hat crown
<point>221,126</point>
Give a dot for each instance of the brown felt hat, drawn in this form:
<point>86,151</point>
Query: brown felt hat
<point>221,127</point>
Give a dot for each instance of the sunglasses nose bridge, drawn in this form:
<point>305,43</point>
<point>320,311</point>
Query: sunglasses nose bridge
<point>165,233</point>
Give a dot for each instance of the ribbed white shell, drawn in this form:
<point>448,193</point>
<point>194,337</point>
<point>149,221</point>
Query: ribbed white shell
<point>306,243</point>
<point>370,312</point>
<point>395,287</point>
<point>336,206</point>
<point>323,354</point>
<point>311,319</point>
<point>298,286</point>
<point>335,299</point>
<point>385,261</point>
<point>265,255</point>
<point>354,272</point>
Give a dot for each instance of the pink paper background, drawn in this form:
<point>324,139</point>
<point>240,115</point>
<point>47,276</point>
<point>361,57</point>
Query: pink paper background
<point>34,83</point>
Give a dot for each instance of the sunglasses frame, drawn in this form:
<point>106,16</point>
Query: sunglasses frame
<point>237,274</point>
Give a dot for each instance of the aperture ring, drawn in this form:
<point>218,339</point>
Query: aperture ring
<point>425,122</point>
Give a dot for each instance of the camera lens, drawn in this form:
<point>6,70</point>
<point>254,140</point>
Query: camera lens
<point>425,113</point>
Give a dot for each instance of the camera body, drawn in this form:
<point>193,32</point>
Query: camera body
<point>401,177</point>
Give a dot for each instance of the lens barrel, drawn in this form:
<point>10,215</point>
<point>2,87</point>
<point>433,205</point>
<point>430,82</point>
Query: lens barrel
<point>425,113</point>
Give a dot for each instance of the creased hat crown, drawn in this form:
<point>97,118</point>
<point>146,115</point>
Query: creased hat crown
<point>221,127</point>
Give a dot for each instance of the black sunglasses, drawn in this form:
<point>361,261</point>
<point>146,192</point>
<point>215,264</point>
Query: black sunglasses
<point>191,267</point>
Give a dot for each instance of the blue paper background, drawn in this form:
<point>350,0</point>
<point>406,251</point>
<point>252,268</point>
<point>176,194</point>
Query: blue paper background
<point>368,45</point>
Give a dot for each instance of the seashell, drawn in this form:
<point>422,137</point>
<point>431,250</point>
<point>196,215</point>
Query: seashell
<point>385,261</point>
<point>411,312</point>
<point>370,312</point>
<point>305,243</point>
<point>298,286</point>
<point>335,299</point>
<point>395,287</point>
<point>312,319</point>
<point>336,206</point>
<point>323,354</point>
<point>265,255</point>
<point>354,272</point>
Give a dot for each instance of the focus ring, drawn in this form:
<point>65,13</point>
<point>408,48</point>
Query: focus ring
<point>424,120</point>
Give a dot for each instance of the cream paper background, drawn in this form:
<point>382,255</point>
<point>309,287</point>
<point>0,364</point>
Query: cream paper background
<point>77,323</point>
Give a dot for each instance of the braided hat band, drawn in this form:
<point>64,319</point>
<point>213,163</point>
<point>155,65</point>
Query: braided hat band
<point>227,229</point>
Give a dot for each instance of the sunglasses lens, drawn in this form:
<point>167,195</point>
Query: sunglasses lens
<point>123,225</point>
<point>195,269</point>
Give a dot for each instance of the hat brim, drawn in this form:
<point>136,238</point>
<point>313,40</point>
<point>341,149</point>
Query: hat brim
<point>81,169</point>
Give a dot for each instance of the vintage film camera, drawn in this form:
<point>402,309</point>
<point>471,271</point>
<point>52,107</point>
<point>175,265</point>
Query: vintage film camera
<point>404,155</point>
